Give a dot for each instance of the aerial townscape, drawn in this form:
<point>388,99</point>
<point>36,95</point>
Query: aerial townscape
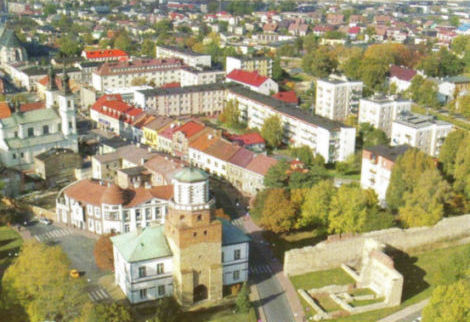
<point>234,160</point>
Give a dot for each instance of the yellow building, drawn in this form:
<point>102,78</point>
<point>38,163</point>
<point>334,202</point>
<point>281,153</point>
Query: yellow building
<point>151,130</point>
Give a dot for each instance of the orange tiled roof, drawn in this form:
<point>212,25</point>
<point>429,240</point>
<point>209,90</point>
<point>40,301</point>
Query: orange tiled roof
<point>4,110</point>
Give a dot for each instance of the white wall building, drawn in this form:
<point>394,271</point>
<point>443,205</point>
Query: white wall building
<point>380,112</point>
<point>337,98</point>
<point>189,57</point>
<point>377,164</point>
<point>253,81</point>
<point>420,131</point>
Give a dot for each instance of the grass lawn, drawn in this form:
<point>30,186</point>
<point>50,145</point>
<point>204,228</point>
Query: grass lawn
<point>321,278</point>
<point>10,241</point>
<point>335,174</point>
<point>366,302</point>
<point>362,291</point>
<point>224,314</point>
<point>286,241</point>
<point>327,303</point>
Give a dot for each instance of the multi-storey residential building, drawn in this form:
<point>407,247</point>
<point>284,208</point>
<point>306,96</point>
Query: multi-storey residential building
<point>253,81</point>
<point>102,55</point>
<point>122,74</point>
<point>189,57</point>
<point>337,98</point>
<point>380,112</point>
<point>332,140</point>
<point>191,76</point>
<point>103,207</point>
<point>377,164</point>
<point>193,257</point>
<point>27,133</point>
<point>420,131</point>
<point>190,100</point>
<point>261,64</point>
<point>151,129</point>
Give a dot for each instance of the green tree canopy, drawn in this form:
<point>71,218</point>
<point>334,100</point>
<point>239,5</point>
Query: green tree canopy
<point>148,48</point>
<point>405,175</point>
<point>277,175</point>
<point>242,302</point>
<point>105,313</point>
<point>68,46</point>
<point>39,282</point>
<point>272,131</point>
<point>462,167</point>
<point>449,303</point>
<point>351,208</point>
<point>370,136</point>
<point>123,41</point>
<point>315,209</point>
<point>321,62</point>
<point>230,115</point>
<point>448,152</point>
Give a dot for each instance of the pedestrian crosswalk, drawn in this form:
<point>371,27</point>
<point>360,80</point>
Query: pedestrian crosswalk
<point>98,295</point>
<point>53,234</point>
<point>238,222</point>
<point>260,269</point>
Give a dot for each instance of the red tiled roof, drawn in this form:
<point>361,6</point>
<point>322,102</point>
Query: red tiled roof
<point>402,73</point>
<point>261,164</point>
<point>288,97</point>
<point>354,30</point>
<point>242,157</point>
<point>190,128</point>
<point>248,139</point>
<point>128,67</point>
<point>105,53</point>
<point>222,150</point>
<point>32,106</point>
<point>112,105</point>
<point>246,77</point>
<point>4,110</point>
<point>171,85</point>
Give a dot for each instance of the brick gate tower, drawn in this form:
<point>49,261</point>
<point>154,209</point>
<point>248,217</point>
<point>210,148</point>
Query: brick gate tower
<point>195,238</point>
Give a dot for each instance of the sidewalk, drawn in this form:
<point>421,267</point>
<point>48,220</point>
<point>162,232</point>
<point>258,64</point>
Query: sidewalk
<point>397,316</point>
<point>276,266</point>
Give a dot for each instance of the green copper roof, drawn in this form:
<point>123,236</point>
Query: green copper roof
<point>44,114</point>
<point>191,175</point>
<point>232,235</point>
<point>149,244</point>
<point>17,143</point>
<point>8,39</point>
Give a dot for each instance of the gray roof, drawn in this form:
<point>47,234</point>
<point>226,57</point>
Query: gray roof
<point>288,109</point>
<point>182,90</point>
<point>419,121</point>
<point>43,156</point>
<point>232,235</point>
<point>388,152</point>
<point>40,115</point>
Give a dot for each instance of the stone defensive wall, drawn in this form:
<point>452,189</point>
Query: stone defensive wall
<point>348,248</point>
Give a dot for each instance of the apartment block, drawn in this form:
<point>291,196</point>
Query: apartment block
<point>189,57</point>
<point>377,164</point>
<point>191,76</point>
<point>420,131</point>
<point>190,100</point>
<point>262,65</point>
<point>337,98</point>
<point>123,74</point>
<point>331,139</point>
<point>380,112</point>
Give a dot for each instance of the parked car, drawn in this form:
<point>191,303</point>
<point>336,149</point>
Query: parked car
<point>45,221</point>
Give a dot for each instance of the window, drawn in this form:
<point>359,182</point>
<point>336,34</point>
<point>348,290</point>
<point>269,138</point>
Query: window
<point>30,132</point>
<point>194,234</point>
<point>14,156</point>
<point>126,228</point>
<point>199,217</point>
<point>143,293</point>
<point>59,127</point>
<point>22,155</point>
<point>236,254</point>
<point>126,215</point>
<point>236,275</point>
<point>142,271</point>
<point>161,290</point>
<point>160,268</point>
<point>223,255</point>
<point>148,214</point>
<point>137,214</point>
<point>45,129</point>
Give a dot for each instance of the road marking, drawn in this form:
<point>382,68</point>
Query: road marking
<point>36,236</point>
<point>98,294</point>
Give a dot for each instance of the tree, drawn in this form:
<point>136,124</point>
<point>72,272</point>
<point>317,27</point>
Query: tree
<point>138,81</point>
<point>424,205</point>
<point>370,136</point>
<point>423,91</point>
<point>441,64</point>
<point>277,175</point>
<point>277,71</point>
<point>103,252</point>
<point>373,73</point>
<point>460,44</point>
<point>278,214</point>
<point>462,167</point>
<point>462,105</point>
<point>167,310</point>
<point>148,48</point>
<point>315,209</point>
<point>69,47</point>
<point>123,41</point>
<point>454,21</point>
<point>449,303</point>
<point>39,282</point>
<point>242,302</point>
<point>272,131</point>
<point>405,175</point>
<point>88,39</point>
<point>306,179</point>
<point>352,65</point>
<point>321,62</point>
<point>230,115</point>
<point>304,154</point>
<point>448,152</point>
<point>105,313</point>
<point>351,208</point>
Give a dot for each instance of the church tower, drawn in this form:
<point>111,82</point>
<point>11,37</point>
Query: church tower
<point>67,107</point>
<point>195,238</point>
<point>51,90</point>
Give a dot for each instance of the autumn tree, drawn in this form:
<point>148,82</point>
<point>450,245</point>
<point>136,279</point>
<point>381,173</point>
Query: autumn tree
<point>68,46</point>
<point>277,175</point>
<point>272,131</point>
<point>448,151</point>
<point>123,41</point>
<point>321,62</point>
<point>138,81</point>
<point>441,64</point>
<point>424,204</point>
<point>462,167</point>
<point>39,282</point>
<point>315,209</point>
<point>103,252</point>
<point>278,213</point>
<point>148,48</point>
<point>230,114</point>
<point>351,208</point>
<point>105,313</point>
<point>449,303</point>
<point>405,175</point>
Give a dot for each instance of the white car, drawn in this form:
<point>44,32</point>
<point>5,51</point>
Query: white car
<point>45,221</point>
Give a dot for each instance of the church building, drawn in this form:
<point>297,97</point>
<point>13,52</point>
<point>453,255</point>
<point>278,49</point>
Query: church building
<point>192,257</point>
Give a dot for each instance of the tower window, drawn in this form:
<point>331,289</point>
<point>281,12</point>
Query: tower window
<point>194,234</point>
<point>205,232</point>
<point>199,217</point>
<point>181,217</point>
